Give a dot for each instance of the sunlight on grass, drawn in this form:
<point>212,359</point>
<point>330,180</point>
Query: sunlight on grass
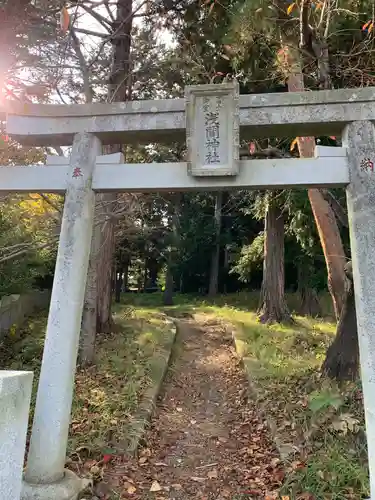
<point>107,394</point>
<point>284,363</point>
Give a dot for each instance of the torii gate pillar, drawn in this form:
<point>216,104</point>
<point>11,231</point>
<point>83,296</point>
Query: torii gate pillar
<point>359,138</point>
<point>45,477</point>
<point>305,114</point>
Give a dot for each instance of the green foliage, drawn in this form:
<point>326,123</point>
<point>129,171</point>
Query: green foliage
<point>20,246</point>
<point>127,364</point>
<point>251,257</point>
<point>321,400</point>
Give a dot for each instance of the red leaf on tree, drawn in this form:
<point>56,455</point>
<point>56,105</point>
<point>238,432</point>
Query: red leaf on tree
<point>211,7</point>
<point>366,25</point>
<point>64,20</point>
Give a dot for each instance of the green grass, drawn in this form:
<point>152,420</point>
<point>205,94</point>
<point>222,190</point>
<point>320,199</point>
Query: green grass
<point>284,362</point>
<point>107,394</point>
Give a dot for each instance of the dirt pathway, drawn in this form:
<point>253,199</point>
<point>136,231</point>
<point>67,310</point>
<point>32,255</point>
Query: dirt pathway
<point>206,440</point>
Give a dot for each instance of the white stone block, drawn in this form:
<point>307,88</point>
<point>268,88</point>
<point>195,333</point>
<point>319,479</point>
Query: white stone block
<point>253,174</point>
<point>329,151</point>
<point>15,394</point>
<point>163,120</point>
<point>212,129</point>
<point>100,159</point>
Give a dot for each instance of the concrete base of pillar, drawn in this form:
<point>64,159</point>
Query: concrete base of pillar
<point>67,489</point>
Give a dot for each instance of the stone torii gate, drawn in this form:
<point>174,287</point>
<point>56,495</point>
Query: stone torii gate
<point>212,118</point>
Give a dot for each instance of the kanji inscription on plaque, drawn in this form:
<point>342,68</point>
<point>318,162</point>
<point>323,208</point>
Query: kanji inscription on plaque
<point>212,129</point>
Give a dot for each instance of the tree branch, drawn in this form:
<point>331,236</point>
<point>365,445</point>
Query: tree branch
<point>101,19</point>
<point>30,248</point>
<point>82,63</point>
<point>84,31</point>
<point>50,202</point>
<point>115,33</point>
<point>106,5</point>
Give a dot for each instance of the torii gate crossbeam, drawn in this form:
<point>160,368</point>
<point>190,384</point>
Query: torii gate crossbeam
<point>163,120</point>
<point>111,174</point>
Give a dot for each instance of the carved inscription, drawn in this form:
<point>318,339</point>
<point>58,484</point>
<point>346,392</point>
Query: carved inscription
<point>211,109</point>
<point>212,129</point>
<point>367,165</point>
<point>77,172</point>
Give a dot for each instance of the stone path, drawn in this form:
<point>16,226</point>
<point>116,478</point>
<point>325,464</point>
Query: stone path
<point>206,440</point>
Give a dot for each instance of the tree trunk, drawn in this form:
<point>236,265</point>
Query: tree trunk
<point>342,358</point>
<point>169,281</point>
<point>145,274</point>
<point>325,219</point>
<point>309,301</point>
<point>119,90</point>
<point>125,284</point>
<point>104,271</point>
<point>214,273</point>
<point>88,329</point>
<point>118,286</point>
<point>333,248</point>
<point>169,284</point>
<point>273,307</point>
<point>90,307</point>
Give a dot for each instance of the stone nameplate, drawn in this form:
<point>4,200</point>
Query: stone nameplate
<point>212,129</point>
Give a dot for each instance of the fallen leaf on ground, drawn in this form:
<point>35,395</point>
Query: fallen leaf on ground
<point>198,479</point>
<point>212,474</point>
<point>226,493</point>
<point>131,489</point>
<point>96,471</point>
<point>155,487</point>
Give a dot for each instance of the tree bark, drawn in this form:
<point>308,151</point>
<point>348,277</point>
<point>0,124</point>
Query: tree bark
<point>88,327</point>
<point>342,358</point>
<point>273,307</point>
<point>119,90</point>
<point>125,284</point>
<point>145,273</point>
<point>104,272</point>
<point>119,282</point>
<point>169,281</point>
<point>169,284</point>
<point>309,301</point>
<point>214,273</point>
<point>90,306</point>
<point>324,216</point>
<point>332,246</point>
